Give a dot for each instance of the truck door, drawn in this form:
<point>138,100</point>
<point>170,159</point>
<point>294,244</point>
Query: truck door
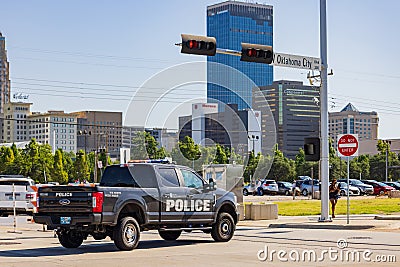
<point>199,206</point>
<point>173,195</point>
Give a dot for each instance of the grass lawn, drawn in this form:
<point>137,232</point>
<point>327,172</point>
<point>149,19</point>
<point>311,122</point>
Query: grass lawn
<point>357,206</point>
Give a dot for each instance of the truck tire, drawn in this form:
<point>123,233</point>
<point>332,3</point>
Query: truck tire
<point>70,239</point>
<point>127,234</point>
<point>224,227</point>
<point>169,235</point>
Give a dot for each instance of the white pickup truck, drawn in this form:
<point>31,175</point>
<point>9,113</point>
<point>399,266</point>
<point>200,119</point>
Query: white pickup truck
<point>25,195</point>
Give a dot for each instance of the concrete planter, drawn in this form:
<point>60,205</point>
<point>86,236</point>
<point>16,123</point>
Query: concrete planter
<point>268,211</point>
<point>394,194</point>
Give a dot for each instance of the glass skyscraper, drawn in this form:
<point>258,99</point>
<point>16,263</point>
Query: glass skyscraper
<point>4,75</point>
<point>232,23</point>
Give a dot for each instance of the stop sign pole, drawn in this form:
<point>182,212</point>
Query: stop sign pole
<point>347,146</point>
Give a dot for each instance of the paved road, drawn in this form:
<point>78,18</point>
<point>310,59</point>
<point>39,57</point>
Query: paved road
<point>36,248</point>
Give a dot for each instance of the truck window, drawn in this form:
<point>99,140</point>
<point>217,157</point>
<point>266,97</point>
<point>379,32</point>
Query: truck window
<point>144,175</point>
<point>169,177</point>
<point>191,180</point>
<point>133,176</point>
<point>117,176</point>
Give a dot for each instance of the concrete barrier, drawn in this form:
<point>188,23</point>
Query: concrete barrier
<point>247,211</point>
<point>268,211</point>
<point>394,194</point>
<point>240,208</point>
<point>317,195</point>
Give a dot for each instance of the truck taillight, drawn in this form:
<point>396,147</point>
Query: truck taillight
<point>97,201</point>
<point>30,195</point>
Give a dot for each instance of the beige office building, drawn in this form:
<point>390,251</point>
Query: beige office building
<point>351,120</point>
<point>55,128</point>
<point>16,127</point>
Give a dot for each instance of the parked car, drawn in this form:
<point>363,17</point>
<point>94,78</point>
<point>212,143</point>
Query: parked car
<point>307,185</point>
<point>353,191</point>
<point>250,189</point>
<point>284,188</point>
<point>269,187</point>
<point>379,188</point>
<point>24,193</point>
<point>365,189</point>
<point>395,185</point>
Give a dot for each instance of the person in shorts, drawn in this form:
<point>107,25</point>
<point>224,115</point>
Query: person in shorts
<point>333,195</point>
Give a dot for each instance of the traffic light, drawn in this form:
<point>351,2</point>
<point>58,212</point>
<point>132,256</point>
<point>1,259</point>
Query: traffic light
<point>312,148</point>
<point>198,45</point>
<point>257,53</point>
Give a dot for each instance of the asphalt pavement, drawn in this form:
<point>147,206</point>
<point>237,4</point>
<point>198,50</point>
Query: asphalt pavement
<point>256,243</point>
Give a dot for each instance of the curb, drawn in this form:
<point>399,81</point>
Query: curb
<point>386,217</point>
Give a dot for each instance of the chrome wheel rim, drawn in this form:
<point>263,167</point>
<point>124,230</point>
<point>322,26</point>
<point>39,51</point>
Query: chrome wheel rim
<point>130,233</point>
<point>225,228</point>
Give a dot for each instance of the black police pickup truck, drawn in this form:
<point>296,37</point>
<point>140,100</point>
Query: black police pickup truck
<point>136,197</point>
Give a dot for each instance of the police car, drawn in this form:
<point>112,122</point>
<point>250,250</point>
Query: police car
<point>136,197</point>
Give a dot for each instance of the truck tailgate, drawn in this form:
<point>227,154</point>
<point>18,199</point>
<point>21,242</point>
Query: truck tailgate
<point>66,199</point>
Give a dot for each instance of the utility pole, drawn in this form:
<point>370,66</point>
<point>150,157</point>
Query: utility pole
<point>324,117</point>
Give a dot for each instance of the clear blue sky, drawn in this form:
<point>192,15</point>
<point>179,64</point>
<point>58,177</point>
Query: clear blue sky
<point>123,43</point>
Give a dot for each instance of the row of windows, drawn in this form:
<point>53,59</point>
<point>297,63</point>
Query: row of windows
<point>21,108</point>
<point>357,120</point>
<point>63,119</point>
<point>64,142</point>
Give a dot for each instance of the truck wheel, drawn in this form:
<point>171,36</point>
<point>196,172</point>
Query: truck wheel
<point>127,234</point>
<point>169,235</point>
<point>70,239</point>
<point>223,229</point>
<point>245,192</point>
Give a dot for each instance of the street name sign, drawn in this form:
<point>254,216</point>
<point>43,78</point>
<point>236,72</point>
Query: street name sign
<point>295,61</point>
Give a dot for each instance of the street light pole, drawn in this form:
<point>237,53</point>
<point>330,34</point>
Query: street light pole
<point>253,138</point>
<point>324,117</point>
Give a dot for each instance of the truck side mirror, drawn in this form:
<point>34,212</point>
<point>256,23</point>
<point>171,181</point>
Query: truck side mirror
<point>212,184</point>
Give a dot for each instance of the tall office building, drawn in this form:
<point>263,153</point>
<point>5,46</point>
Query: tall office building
<point>4,75</point>
<point>232,23</point>
<point>103,131</point>
<point>351,120</point>
<point>296,111</point>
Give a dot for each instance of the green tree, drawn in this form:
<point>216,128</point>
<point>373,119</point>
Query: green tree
<point>139,147</point>
<point>282,168</point>
<point>220,156</point>
<point>68,164</point>
<point>189,149</point>
<point>6,159</point>
<point>81,170</point>
<point>59,174</point>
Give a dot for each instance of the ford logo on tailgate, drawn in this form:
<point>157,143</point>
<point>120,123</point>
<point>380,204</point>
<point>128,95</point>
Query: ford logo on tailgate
<point>64,202</point>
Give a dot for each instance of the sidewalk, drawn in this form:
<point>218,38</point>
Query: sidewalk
<point>357,222</point>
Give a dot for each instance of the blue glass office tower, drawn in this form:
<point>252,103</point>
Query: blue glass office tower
<point>232,23</point>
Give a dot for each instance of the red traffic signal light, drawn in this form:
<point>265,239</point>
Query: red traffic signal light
<point>198,45</point>
<point>257,53</point>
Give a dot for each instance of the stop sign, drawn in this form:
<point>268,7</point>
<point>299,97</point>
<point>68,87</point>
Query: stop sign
<point>347,145</point>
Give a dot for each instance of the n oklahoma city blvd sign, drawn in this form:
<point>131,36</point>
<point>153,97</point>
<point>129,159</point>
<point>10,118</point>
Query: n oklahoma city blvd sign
<point>295,61</point>
<point>347,145</point>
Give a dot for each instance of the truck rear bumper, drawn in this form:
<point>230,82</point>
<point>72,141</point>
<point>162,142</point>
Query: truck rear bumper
<point>54,221</point>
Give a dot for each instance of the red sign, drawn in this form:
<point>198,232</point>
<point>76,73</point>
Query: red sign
<point>348,145</point>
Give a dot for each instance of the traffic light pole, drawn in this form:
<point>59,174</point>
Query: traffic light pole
<point>324,117</point>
